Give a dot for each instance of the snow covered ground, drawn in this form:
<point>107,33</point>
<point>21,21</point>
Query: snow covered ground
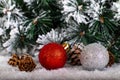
<point>68,72</point>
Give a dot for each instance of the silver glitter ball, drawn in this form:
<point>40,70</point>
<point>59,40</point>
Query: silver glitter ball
<point>94,56</point>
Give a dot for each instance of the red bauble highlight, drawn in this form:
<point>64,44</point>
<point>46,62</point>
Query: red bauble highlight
<point>52,56</point>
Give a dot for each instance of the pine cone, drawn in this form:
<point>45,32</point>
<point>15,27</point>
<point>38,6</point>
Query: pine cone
<point>111,59</point>
<point>74,55</point>
<point>26,63</point>
<point>14,60</point>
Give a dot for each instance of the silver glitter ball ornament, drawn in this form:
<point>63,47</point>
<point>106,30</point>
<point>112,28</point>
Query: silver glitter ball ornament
<point>94,56</point>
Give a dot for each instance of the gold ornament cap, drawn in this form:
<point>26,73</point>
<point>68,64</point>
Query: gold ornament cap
<point>66,46</point>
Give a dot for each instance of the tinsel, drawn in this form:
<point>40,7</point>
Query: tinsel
<point>52,36</point>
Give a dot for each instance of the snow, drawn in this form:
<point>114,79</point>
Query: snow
<point>70,9</point>
<point>68,72</point>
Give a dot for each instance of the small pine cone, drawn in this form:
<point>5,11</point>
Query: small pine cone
<point>111,59</point>
<point>26,63</point>
<point>14,60</point>
<point>74,56</point>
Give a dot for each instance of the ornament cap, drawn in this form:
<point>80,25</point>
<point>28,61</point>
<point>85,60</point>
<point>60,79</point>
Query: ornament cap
<point>66,46</point>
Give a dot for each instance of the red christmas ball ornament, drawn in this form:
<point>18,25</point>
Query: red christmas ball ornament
<point>52,56</point>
